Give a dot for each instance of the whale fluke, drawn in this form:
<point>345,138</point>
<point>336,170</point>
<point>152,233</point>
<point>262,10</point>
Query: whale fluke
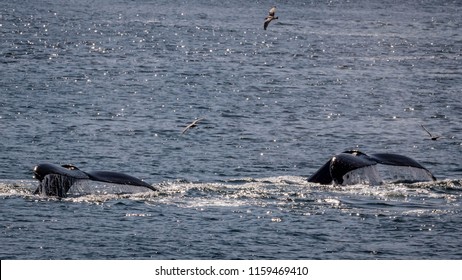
<point>351,167</point>
<point>56,180</point>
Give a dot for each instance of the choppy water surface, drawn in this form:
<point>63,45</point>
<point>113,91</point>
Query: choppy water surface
<point>111,84</point>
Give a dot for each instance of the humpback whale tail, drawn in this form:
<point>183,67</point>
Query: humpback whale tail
<point>57,180</point>
<point>352,167</point>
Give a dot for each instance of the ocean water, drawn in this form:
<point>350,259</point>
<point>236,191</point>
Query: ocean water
<point>110,85</point>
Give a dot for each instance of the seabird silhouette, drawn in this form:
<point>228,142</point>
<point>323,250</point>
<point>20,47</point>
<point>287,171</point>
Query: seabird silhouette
<point>433,137</point>
<point>270,17</point>
<point>191,125</point>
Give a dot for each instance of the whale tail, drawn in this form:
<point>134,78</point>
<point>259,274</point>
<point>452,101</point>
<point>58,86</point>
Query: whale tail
<point>352,167</point>
<point>57,180</point>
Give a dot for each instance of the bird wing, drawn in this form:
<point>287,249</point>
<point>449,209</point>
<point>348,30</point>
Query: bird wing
<point>267,21</point>
<point>186,128</point>
<point>272,11</point>
<point>426,130</point>
<point>191,125</point>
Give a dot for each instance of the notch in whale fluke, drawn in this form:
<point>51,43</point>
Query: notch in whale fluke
<point>56,180</point>
<point>353,167</point>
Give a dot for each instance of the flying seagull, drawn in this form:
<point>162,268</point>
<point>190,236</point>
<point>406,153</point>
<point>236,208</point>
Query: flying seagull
<point>191,125</point>
<point>433,137</point>
<point>270,17</point>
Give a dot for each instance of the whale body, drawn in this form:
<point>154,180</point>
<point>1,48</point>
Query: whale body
<point>56,180</point>
<point>354,167</point>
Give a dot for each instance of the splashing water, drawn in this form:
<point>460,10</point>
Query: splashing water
<point>379,174</point>
<point>55,185</point>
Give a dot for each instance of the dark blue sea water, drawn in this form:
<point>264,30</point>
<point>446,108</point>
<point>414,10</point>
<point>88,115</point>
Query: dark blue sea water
<point>110,85</point>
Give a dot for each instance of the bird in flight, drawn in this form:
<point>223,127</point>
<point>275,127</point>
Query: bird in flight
<point>433,137</point>
<point>270,17</point>
<point>191,125</point>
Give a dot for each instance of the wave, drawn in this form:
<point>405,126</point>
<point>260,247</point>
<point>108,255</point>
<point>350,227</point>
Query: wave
<point>241,191</point>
